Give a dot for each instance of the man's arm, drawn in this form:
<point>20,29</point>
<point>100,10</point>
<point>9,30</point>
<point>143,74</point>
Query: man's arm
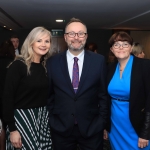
<point>103,97</point>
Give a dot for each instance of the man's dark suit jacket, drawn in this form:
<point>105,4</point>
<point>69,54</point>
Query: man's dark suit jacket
<point>89,105</point>
<point>139,107</point>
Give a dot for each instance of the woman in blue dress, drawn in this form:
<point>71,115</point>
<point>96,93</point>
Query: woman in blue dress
<point>129,91</point>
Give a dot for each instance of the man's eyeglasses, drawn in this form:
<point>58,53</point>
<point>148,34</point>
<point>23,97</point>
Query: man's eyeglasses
<point>79,34</point>
<point>124,45</point>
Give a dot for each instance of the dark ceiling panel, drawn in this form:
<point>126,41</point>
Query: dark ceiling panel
<point>97,14</point>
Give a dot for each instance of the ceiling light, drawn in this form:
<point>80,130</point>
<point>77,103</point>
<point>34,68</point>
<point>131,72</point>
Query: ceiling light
<point>4,26</point>
<point>59,20</point>
<point>10,29</point>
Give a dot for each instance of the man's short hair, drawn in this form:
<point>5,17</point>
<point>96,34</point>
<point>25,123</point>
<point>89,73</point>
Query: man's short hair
<point>14,36</point>
<point>74,20</point>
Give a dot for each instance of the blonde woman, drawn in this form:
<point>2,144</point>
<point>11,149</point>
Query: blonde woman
<point>137,50</point>
<point>25,95</point>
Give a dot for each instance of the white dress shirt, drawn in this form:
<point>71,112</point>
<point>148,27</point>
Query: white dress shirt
<point>70,61</point>
<point>16,52</point>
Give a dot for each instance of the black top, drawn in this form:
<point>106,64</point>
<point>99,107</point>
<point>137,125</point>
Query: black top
<point>4,62</point>
<point>23,91</point>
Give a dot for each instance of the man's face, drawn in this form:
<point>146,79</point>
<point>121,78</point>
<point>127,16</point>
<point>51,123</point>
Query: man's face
<point>76,43</point>
<point>15,42</point>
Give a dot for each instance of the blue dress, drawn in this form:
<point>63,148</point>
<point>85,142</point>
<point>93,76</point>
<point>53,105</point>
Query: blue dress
<point>122,135</point>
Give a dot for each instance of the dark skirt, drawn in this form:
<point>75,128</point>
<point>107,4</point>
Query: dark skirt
<point>33,126</point>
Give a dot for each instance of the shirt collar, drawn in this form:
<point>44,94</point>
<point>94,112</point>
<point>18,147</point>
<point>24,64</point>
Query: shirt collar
<point>71,56</point>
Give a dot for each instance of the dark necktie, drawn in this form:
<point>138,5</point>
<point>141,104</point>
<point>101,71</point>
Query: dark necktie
<point>75,75</point>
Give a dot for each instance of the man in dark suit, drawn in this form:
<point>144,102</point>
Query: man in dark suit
<point>77,101</point>
<point>15,40</point>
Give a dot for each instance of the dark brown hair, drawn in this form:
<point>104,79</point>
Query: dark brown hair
<point>74,20</point>
<point>14,36</point>
<point>91,46</point>
<point>120,36</point>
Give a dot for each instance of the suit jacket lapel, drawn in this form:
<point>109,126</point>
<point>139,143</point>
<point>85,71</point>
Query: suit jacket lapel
<point>111,71</point>
<point>134,77</point>
<point>85,69</point>
<point>64,66</point>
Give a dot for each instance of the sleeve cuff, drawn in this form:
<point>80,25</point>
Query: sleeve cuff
<point>12,127</point>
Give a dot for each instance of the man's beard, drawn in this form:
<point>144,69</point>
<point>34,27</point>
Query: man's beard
<point>71,47</point>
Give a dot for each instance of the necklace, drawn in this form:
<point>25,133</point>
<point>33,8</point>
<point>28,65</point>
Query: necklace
<point>121,68</point>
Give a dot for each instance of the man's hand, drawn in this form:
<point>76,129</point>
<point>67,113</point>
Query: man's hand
<point>105,135</point>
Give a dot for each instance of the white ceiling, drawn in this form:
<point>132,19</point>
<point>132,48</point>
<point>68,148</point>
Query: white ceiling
<point>97,14</point>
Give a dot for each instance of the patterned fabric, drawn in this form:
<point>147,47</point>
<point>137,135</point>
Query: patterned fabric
<point>75,75</point>
<point>33,126</point>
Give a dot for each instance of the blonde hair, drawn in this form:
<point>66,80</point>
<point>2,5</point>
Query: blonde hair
<point>137,49</point>
<point>27,53</point>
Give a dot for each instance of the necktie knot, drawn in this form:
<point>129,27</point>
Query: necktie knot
<point>76,59</point>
